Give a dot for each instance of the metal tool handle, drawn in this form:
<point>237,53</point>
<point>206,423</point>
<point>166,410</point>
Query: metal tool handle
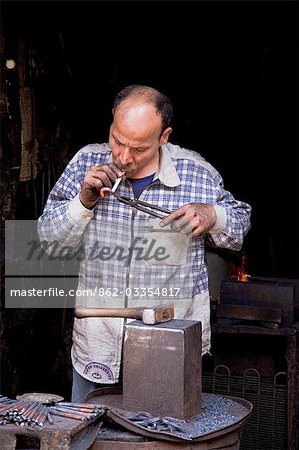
<point>148,211</point>
<point>150,205</point>
<point>82,312</point>
<point>142,206</point>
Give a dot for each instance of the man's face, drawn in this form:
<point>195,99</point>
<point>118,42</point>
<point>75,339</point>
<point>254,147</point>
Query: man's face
<point>135,138</point>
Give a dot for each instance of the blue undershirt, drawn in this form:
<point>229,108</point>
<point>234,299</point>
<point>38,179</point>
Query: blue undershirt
<point>138,184</point>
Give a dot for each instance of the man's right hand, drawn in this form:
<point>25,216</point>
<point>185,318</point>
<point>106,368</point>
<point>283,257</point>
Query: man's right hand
<point>96,178</point>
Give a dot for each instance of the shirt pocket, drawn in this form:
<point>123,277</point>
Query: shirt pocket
<point>167,247</point>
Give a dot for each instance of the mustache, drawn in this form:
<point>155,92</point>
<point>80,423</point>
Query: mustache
<point>125,168</point>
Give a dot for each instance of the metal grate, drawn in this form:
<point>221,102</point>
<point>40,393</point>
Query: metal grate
<point>267,426</point>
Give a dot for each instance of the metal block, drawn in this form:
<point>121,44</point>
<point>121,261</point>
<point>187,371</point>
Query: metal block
<point>162,368</point>
<point>260,314</point>
<point>280,296</point>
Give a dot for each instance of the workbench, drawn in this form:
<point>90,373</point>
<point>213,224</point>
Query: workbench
<point>64,434</point>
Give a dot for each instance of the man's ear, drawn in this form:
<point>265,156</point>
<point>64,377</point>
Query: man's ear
<point>165,135</point>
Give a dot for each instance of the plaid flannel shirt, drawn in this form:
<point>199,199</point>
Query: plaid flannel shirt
<point>183,177</point>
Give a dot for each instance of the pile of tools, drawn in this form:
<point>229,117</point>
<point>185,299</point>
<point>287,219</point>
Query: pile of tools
<point>77,411</point>
<point>26,413</point>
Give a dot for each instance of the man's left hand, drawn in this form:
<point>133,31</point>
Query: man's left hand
<point>195,218</point>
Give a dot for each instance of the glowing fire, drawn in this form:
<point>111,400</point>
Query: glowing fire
<point>238,272</point>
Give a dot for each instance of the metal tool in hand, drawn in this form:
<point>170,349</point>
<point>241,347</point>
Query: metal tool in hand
<point>135,203</point>
<point>142,206</point>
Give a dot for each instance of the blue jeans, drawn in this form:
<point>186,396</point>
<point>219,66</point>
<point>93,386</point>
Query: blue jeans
<point>81,387</point>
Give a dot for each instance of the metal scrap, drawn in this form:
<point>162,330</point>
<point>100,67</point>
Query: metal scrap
<point>218,412</point>
<point>170,424</point>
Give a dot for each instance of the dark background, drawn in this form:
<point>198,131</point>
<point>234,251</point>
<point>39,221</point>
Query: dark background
<point>231,70</point>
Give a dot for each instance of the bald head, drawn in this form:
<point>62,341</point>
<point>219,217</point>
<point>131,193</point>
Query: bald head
<point>137,119</point>
<point>146,96</point>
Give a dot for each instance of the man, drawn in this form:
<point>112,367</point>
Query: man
<point>130,258</point>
